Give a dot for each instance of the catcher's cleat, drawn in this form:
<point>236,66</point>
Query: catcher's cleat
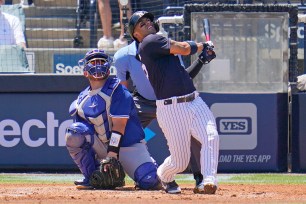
<point>83,184</point>
<point>81,181</point>
<point>171,187</point>
<point>84,187</point>
<point>205,189</point>
<point>158,187</point>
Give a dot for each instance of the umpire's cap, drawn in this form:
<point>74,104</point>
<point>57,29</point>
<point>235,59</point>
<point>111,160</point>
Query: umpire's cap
<point>135,19</point>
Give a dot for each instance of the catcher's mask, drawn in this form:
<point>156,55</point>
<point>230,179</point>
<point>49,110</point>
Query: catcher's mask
<point>96,63</point>
<point>135,18</point>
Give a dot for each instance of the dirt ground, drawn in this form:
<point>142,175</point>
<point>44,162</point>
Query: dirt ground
<point>226,193</point>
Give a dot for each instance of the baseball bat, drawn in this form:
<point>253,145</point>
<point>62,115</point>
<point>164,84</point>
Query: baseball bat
<point>206,27</point>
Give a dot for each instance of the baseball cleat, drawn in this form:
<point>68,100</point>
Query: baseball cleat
<point>83,184</point>
<point>198,177</point>
<point>171,187</point>
<point>159,186</point>
<point>205,189</point>
<point>81,181</point>
<point>84,187</point>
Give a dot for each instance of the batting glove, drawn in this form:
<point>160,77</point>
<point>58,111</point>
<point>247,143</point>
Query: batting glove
<point>207,53</point>
<point>209,45</point>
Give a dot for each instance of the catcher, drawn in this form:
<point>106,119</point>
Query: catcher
<point>107,132</point>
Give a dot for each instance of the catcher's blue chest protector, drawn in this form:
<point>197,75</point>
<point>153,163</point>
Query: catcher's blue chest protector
<point>93,106</point>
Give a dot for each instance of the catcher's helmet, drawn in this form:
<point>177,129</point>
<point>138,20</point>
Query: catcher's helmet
<point>96,63</point>
<point>135,19</point>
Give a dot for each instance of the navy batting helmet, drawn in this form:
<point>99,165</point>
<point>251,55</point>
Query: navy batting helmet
<point>96,63</point>
<point>135,19</point>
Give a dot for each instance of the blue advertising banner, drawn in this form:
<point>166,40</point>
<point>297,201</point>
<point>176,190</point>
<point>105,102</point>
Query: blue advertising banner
<point>252,128</point>
<point>272,32</point>
<point>32,130</point>
<point>300,35</point>
<point>253,131</point>
<point>299,132</point>
<point>68,64</point>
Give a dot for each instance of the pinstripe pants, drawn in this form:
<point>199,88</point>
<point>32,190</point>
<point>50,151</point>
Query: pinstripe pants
<point>179,122</point>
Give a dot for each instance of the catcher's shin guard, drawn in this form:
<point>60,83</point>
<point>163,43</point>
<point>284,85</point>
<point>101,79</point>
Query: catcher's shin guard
<point>146,177</point>
<point>81,150</point>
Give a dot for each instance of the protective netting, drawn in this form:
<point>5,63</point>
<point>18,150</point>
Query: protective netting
<point>59,32</point>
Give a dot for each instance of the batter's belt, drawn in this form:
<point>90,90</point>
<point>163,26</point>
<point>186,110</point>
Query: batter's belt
<point>186,98</point>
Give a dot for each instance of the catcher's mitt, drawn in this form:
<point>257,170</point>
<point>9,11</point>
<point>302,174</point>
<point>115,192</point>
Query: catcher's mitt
<point>110,175</point>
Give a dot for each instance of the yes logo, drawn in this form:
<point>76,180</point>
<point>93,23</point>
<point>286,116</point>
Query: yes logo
<point>234,125</point>
<point>237,125</point>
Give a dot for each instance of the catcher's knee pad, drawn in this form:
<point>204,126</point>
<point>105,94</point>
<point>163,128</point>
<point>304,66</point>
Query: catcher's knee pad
<point>75,134</point>
<point>146,176</point>
<point>80,149</point>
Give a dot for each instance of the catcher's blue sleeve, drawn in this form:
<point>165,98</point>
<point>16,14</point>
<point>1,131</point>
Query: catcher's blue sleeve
<point>122,103</point>
<point>73,112</point>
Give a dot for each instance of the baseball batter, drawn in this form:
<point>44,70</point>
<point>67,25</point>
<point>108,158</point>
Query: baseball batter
<point>181,113</point>
<point>107,125</point>
<point>128,66</point>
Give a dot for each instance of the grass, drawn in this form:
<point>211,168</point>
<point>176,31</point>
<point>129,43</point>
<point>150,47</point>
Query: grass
<point>272,178</point>
<point>266,179</point>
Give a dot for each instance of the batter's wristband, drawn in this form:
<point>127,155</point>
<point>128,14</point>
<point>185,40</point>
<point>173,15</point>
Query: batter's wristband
<point>114,142</point>
<point>193,47</point>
